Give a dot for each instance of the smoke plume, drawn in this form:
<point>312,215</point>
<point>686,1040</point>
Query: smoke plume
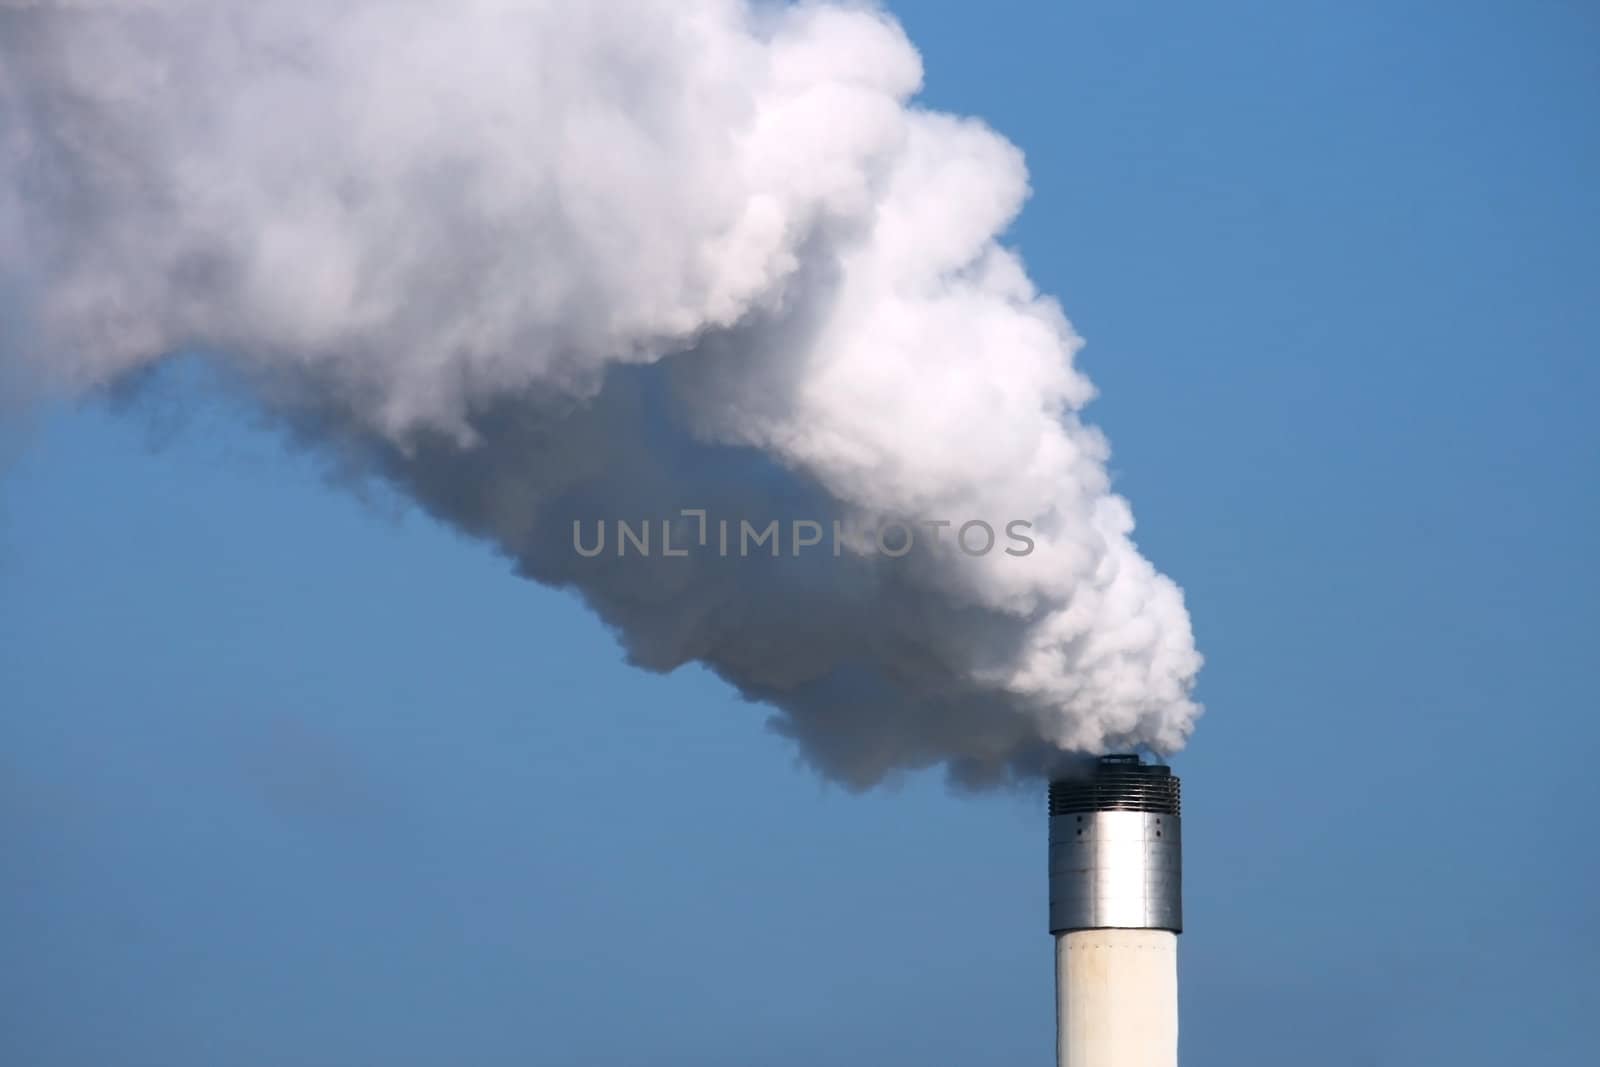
<point>538,262</point>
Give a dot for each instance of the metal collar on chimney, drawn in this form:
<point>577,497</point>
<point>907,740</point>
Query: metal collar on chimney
<point>1116,849</point>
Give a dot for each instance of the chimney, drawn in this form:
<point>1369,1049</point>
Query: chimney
<point>1116,909</point>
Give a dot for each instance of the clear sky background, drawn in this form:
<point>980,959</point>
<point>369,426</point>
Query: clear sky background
<point>290,777</point>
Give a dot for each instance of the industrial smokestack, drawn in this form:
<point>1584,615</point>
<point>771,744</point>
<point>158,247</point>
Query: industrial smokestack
<point>1116,909</point>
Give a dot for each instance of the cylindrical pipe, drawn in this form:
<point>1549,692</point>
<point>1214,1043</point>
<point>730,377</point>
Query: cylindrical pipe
<point>1117,998</point>
<point>1116,908</point>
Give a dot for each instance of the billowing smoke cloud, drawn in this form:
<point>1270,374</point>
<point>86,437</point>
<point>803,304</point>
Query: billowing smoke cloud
<point>544,261</point>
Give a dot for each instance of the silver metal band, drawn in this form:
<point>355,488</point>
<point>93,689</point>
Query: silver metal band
<point>1116,849</point>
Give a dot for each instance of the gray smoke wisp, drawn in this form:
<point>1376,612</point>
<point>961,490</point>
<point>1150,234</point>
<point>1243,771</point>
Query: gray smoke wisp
<point>537,262</point>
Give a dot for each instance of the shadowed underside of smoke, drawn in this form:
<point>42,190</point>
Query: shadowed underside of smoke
<point>867,670</point>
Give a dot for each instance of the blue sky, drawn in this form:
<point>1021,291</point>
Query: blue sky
<point>289,776</point>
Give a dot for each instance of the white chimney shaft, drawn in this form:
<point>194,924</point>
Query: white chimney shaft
<point>1116,908</point>
<point>1117,998</point>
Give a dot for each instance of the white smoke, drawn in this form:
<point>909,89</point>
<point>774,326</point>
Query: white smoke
<point>537,261</point>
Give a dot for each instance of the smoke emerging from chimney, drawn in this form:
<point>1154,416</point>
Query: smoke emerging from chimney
<point>543,262</point>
